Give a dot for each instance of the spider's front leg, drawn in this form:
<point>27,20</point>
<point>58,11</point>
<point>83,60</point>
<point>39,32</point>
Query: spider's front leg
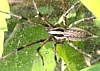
<point>22,47</point>
<point>41,16</point>
<point>55,57</point>
<point>38,49</point>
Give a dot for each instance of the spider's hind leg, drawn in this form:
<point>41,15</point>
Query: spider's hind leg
<point>80,20</point>
<point>76,48</point>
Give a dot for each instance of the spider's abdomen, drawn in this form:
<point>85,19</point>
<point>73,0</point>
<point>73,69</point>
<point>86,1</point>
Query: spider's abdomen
<point>78,34</point>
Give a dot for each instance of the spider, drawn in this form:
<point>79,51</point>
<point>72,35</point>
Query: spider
<point>57,33</point>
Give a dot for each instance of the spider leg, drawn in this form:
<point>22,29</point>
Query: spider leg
<point>63,5</point>
<point>55,56</point>
<point>38,49</point>
<point>24,18</point>
<point>19,17</point>
<point>41,16</point>
<point>76,48</point>
<point>22,47</point>
<point>67,12</point>
<point>81,20</point>
<point>95,61</point>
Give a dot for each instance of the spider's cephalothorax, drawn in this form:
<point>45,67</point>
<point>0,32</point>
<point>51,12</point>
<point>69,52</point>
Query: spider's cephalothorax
<point>58,34</point>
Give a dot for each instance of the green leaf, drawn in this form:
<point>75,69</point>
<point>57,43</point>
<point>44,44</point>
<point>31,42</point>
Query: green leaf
<point>73,59</point>
<point>27,59</point>
<point>97,22</point>
<point>92,68</point>
<point>93,6</point>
